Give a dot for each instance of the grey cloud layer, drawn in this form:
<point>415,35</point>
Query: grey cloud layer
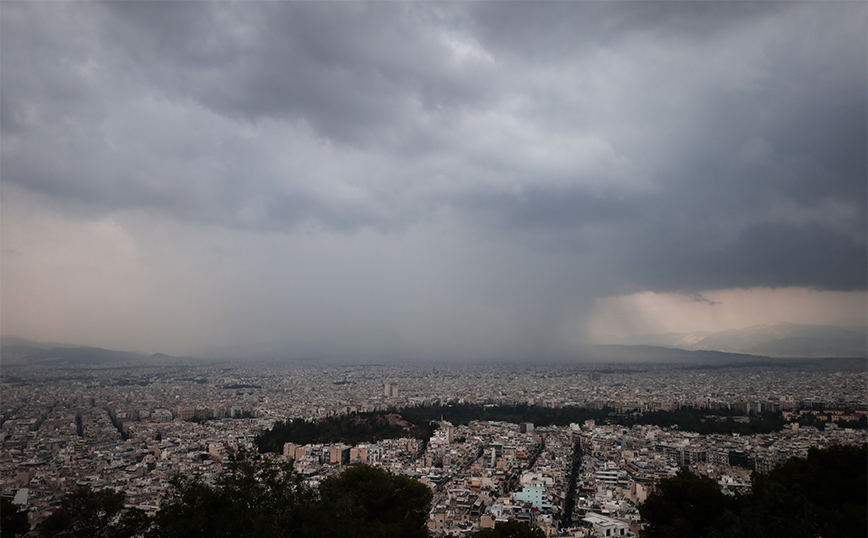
<point>650,145</point>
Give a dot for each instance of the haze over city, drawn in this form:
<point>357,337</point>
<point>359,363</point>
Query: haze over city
<point>459,181</point>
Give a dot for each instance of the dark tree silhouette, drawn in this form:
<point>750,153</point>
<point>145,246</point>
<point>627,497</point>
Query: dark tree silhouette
<point>353,428</point>
<point>13,520</point>
<point>367,501</point>
<point>256,496</point>
<point>822,495</point>
<point>260,496</point>
<point>97,514</point>
<point>683,506</point>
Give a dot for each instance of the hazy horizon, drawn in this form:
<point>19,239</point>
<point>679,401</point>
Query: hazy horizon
<point>456,180</point>
<point>789,342</point>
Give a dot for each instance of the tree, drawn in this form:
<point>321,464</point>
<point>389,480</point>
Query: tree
<point>367,501</point>
<point>833,481</point>
<point>256,496</point>
<point>94,514</point>
<point>822,495</point>
<point>771,510</point>
<point>683,506</point>
<point>510,529</point>
<point>261,496</point>
<point>13,519</point>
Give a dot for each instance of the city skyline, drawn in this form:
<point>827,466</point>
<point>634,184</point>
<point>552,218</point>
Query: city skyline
<point>491,441</point>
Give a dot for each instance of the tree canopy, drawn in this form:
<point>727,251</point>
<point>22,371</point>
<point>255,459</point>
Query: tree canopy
<point>352,428</point>
<point>368,501</point>
<point>683,506</point>
<point>85,513</point>
<point>260,496</point>
<point>13,520</point>
<point>255,496</point>
<point>704,421</point>
<point>821,495</point>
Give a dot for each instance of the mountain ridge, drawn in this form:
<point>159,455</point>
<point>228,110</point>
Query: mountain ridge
<point>757,344</point>
<point>782,340</point>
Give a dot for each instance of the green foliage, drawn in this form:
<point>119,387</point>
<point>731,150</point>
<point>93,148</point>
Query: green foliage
<point>353,429</point>
<point>700,421</point>
<point>256,496</point>
<point>366,501</point>
<point>704,421</point>
<point>510,529</point>
<point>259,496</point>
<point>860,424</point>
<point>683,506</point>
<point>541,416</point>
<point>13,520</point>
<point>94,514</point>
<point>823,495</point>
<point>771,510</point>
<point>357,428</point>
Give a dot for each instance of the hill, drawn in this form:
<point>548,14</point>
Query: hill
<point>613,353</point>
<point>353,429</point>
<point>18,351</point>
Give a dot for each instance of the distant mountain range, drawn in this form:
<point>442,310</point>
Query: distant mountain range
<point>738,346</point>
<point>789,340</point>
<point>21,351</point>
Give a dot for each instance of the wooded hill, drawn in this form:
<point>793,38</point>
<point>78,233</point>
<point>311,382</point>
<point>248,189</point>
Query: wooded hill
<point>352,429</point>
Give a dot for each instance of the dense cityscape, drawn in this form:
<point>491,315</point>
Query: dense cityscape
<point>131,428</point>
<point>365,269</point>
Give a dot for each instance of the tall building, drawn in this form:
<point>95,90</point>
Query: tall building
<point>390,390</point>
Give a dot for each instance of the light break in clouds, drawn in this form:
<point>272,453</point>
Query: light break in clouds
<point>424,180</point>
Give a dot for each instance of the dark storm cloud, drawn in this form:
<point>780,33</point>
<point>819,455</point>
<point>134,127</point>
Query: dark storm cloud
<point>763,255</point>
<point>655,145</point>
<point>562,29</point>
<point>346,69</point>
<point>552,209</point>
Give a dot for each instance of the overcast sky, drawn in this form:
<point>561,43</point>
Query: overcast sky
<point>429,180</point>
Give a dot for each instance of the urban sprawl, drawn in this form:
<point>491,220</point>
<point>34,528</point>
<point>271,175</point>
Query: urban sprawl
<point>132,428</point>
